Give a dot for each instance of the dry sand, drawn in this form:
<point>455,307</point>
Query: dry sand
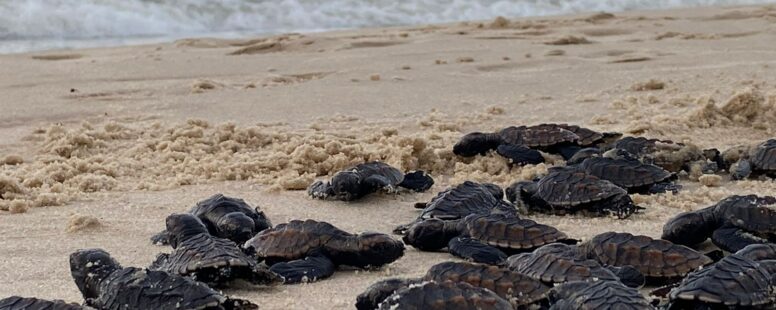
<point>99,145</point>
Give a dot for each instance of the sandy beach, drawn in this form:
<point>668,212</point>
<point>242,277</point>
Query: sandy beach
<point>98,146</point>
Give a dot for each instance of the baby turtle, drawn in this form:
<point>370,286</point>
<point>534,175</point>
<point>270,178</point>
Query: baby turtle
<point>363,179</point>
<point>514,287</point>
<point>208,259</point>
<point>591,295</point>
<point>225,217</point>
<point>460,201</point>
<point>482,238</point>
<point>555,138</point>
<point>446,295</point>
<point>666,154</point>
<point>732,224</point>
<point>742,280</point>
<point>759,161</point>
<point>570,190</point>
<point>104,284</point>
<point>559,263</point>
<point>304,251</point>
<point>29,303</point>
<point>630,174</point>
<point>656,259</point>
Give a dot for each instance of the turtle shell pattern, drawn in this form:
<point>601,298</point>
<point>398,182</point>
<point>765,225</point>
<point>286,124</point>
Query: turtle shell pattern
<point>586,295</point>
<point>557,263</point>
<point>764,156</point>
<point>652,257</point>
<point>512,286</point>
<point>568,186</point>
<point>459,201</point>
<point>537,136</point>
<point>509,232</point>
<point>28,303</point>
<point>625,173</point>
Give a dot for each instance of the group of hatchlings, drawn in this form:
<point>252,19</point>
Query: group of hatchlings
<point>510,262</point>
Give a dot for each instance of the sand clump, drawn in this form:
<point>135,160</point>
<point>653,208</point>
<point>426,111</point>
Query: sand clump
<point>77,223</point>
<point>710,180</point>
<point>12,160</point>
<point>648,85</point>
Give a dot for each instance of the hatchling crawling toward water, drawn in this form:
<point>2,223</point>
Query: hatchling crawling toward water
<point>520,144</point>
<point>566,190</point>
<point>518,289</point>
<point>631,174</point>
<point>104,284</point>
<point>462,200</point>
<point>558,263</point>
<point>305,251</point>
<point>732,224</point>
<point>743,280</point>
<point>658,260</point>
<point>760,160</point>
<point>225,217</point>
<point>212,260</point>
<point>666,154</point>
<point>29,303</point>
<point>482,238</point>
<point>363,179</point>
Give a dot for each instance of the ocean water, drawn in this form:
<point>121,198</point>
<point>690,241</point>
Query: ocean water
<point>28,25</point>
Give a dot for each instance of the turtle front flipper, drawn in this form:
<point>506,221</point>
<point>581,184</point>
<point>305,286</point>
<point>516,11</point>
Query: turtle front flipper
<point>663,187</point>
<point>238,304</point>
<point>475,251</point>
<point>320,190</point>
<point>520,155</point>
<point>622,206</point>
<point>418,181</point>
<point>161,260</point>
<point>161,238</point>
<point>629,275</point>
<point>732,239</point>
<point>310,269</point>
<point>566,150</point>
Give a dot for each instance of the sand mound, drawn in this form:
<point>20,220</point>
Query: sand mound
<point>648,85</point>
<point>78,223</point>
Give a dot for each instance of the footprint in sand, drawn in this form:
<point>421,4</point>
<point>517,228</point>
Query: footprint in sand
<point>288,79</point>
<point>102,96</point>
<point>51,57</point>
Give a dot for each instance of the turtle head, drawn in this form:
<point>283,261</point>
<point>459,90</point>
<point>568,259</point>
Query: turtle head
<point>521,191</point>
<point>90,266</point>
<point>583,154</point>
<point>346,185</point>
<point>622,206</point>
<point>476,143</point>
<point>428,235</point>
<point>236,226</point>
<point>690,228</point>
<point>376,249</point>
<point>182,226</point>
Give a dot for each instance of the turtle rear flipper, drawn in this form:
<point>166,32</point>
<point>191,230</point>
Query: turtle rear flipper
<point>320,190</point>
<point>417,181</point>
<point>476,251</point>
<point>566,150</point>
<point>659,188</point>
<point>161,238</point>
<point>310,269</point>
<point>732,239</point>
<point>629,275</point>
<point>520,155</point>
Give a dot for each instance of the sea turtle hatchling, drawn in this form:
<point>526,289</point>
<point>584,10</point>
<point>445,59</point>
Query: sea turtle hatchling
<point>432,295</point>
<point>666,154</point>
<point>363,179</point>
<point>225,217</point>
<point>592,295</point>
<point>212,260</point>
<point>482,238</point>
<point>761,160</point>
<point>30,303</point>
<point>558,263</point>
<point>743,280</point>
<point>630,174</point>
<point>525,140</point>
<point>460,201</point>
<point>732,223</point>
<point>658,260</point>
<point>305,251</point>
<point>566,190</point>
<point>104,284</point>
<point>518,289</point>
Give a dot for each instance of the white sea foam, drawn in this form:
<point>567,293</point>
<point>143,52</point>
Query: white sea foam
<point>39,24</point>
